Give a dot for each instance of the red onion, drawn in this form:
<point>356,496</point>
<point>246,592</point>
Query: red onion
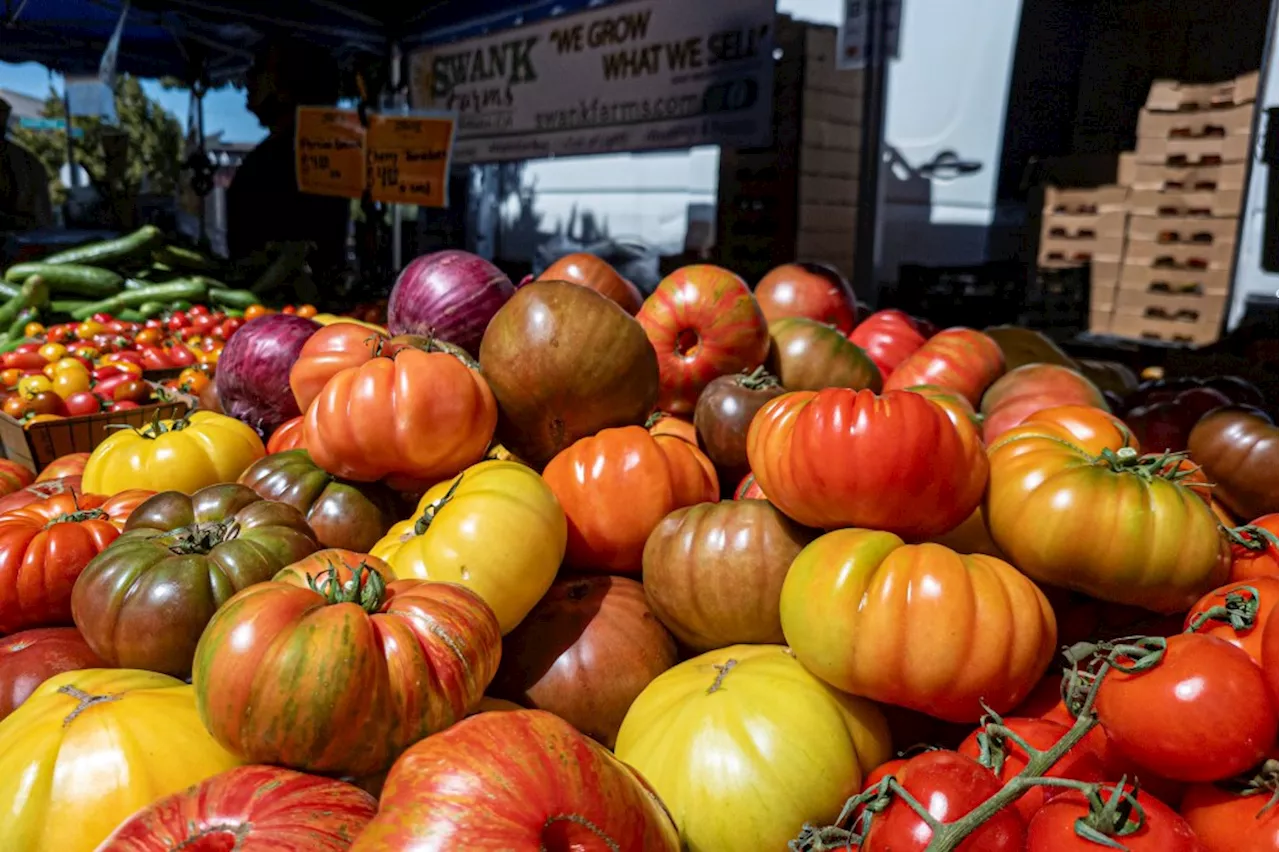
<point>252,379</point>
<point>450,294</point>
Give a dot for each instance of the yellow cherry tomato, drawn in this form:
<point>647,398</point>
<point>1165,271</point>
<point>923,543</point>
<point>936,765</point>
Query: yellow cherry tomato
<point>149,337</point>
<point>29,386</point>
<point>67,382</point>
<point>126,366</point>
<point>74,364</point>
<point>10,377</point>
<point>33,329</point>
<point>48,371</point>
<point>209,359</point>
<point>88,329</point>
<point>52,351</point>
<point>307,311</point>
<point>173,455</point>
<point>86,352</point>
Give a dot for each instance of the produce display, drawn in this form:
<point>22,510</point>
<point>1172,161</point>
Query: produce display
<point>557,567</point>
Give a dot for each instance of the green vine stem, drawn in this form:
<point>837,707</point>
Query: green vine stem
<point>1265,780</point>
<point>433,509</point>
<point>1166,466</point>
<point>365,588</point>
<point>759,379</point>
<point>201,538</point>
<point>1089,663</point>
<point>1239,609</point>
<point>77,516</point>
<point>1251,537</point>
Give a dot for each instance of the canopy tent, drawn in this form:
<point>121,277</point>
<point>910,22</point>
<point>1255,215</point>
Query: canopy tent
<point>181,37</point>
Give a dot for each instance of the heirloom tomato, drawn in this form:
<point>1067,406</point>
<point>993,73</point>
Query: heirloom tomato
<point>328,352</point>
<point>1022,392</point>
<point>46,544</point>
<point>91,747</point>
<point>959,359</point>
<point>14,476</point>
<point>72,464</point>
<point>1056,827</point>
<point>724,413</point>
<point>520,781</point>
<point>749,489</point>
<point>807,355</point>
<point>1255,551</point>
<point>919,626</point>
<point>288,436</point>
<point>887,337</point>
<point>39,491</point>
<point>745,746</point>
<point>949,786</point>
<point>184,455</point>
<point>595,274</point>
<point>144,601</point>
<point>1075,506</point>
<point>812,290</point>
<point>1235,817</point>
<point>615,487</point>
<point>412,418</point>
<point>250,809</point>
<point>703,322</point>
<point>1237,613</point>
<point>839,458</point>
<point>29,658</point>
<point>1239,450</point>
<point>496,528</point>
<point>411,657</point>
<point>956,406</point>
<point>1209,701</point>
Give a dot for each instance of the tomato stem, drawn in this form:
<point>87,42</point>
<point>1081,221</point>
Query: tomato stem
<point>1238,609</point>
<point>76,517</point>
<point>759,379</point>
<point>1251,537</point>
<point>366,586</point>
<point>434,508</point>
<point>201,537</point>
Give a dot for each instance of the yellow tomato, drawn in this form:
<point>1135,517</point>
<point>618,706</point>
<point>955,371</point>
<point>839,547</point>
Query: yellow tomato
<point>74,364</point>
<point>67,382</point>
<point>49,371</point>
<point>52,351</point>
<point>33,329</point>
<point>29,386</point>
<point>496,528</point>
<point>330,319</point>
<point>744,746</point>
<point>89,748</point>
<point>123,364</point>
<point>86,352</point>
<point>88,329</point>
<point>173,455</point>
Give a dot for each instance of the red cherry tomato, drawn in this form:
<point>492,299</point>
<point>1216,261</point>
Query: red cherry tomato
<point>949,785</point>
<point>116,326</point>
<point>198,310</point>
<point>106,387</point>
<point>1209,701</point>
<point>130,355</point>
<point>1053,828</point>
<point>123,405</point>
<point>23,360</point>
<point>178,321</point>
<point>154,322</point>
<point>58,333</point>
<point>203,324</point>
<point>103,319</point>
<point>131,390</point>
<point>181,356</point>
<point>155,358</point>
<point>229,327</point>
<point>82,403</point>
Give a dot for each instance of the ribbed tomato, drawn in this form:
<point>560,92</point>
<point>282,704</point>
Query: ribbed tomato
<point>1237,613</point>
<point>617,485</point>
<point>14,476</point>
<point>749,489</point>
<point>1255,551</point>
<point>1025,390</point>
<point>887,337</point>
<point>960,359</point>
<point>45,545</point>
<point>916,625</point>
<point>29,658</point>
<point>1075,506</point>
<point>39,491</point>
<point>703,322</point>
<point>523,781</point>
<point>328,352</point>
<point>840,458</point>
<point>288,436</point>
<point>72,464</point>
<point>412,418</point>
<point>250,809</point>
<point>339,673</point>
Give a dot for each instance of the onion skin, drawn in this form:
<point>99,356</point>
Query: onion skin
<point>450,295</point>
<point>253,371</point>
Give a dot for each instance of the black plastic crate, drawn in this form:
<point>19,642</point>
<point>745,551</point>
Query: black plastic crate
<point>974,296</point>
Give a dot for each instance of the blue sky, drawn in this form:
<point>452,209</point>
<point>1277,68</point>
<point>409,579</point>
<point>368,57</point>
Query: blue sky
<point>223,108</point>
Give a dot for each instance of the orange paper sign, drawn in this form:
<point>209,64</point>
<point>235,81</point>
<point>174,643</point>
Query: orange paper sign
<point>409,159</point>
<point>330,146</point>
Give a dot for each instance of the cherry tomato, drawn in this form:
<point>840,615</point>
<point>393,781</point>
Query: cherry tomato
<point>230,326</point>
<point>123,405</point>
<point>102,318</point>
<point>52,351</point>
<point>192,380</point>
<point>41,418</point>
<point>127,367</point>
<point>131,390</point>
<point>106,387</point>
<point>23,360</point>
<point>88,329</point>
<point>27,347</point>
<point>131,356</point>
<point>210,359</point>
<point>148,337</point>
<point>178,321</point>
<point>218,316</point>
<point>116,326</point>
<point>9,377</point>
<point>58,333</point>
<point>155,358</point>
<point>154,322</point>
<point>289,309</point>
<point>32,329</point>
<point>254,311</point>
<point>29,386</point>
<point>198,310</point>
<point>1207,698</point>
<point>106,371</point>
<point>70,382</point>
<point>72,363</point>
<point>203,324</point>
<point>181,356</point>
<point>307,311</point>
<point>48,371</point>
<point>85,351</point>
<point>1053,828</point>
<point>83,403</point>
<point>15,406</point>
<point>46,402</point>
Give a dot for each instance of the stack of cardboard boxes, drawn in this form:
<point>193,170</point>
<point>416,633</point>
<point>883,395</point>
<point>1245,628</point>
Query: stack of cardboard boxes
<point>1161,242</point>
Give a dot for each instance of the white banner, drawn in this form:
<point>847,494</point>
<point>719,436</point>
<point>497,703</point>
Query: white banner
<point>631,76</point>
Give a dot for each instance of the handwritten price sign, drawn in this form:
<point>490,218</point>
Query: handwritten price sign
<point>409,159</point>
<point>330,148</point>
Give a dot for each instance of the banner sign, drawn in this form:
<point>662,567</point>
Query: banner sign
<point>329,145</point>
<point>644,74</point>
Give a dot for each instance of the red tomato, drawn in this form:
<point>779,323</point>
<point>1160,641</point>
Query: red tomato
<point>178,322</point>
<point>812,290</point>
<point>842,458</point>
<point>1231,821</point>
<point>959,359</point>
<point>154,358</point>
<point>128,355</point>
<point>202,324</point>
<point>30,657</point>
<point>1254,550</point>
<point>1082,763</point>
<point>123,405</point>
<point>229,327</point>
<point>198,311</point>
<point>131,390</point>
<point>1258,596</point>
<point>1210,702</point>
<point>82,403</point>
<point>949,786</point>
<point>288,436</point>
<point>1271,652</point>
<point>181,356</point>
<point>888,337</point>
<point>58,333</point>
<point>154,322</point>
<point>250,809</point>
<point>24,360</point>
<point>1053,828</point>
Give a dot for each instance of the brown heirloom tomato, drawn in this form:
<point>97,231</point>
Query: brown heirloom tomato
<point>713,572</point>
<point>616,486</point>
<point>724,412</point>
<point>807,355</point>
<point>413,418</point>
<point>959,359</point>
<point>143,602</point>
<point>839,458</point>
<point>351,515</point>
<point>1240,453</point>
<point>1074,505</point>
<point>703,322</point>
<point>524,781</point>
<point>331,670</point>
<point>919,626</point>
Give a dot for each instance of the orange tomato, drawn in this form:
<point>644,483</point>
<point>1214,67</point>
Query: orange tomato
<point>32,329</point>
<point>10,376</point>
<point>15,406</point>
<point>617,485</point>
<point>327,352</point>
<point>193,380</point>
<point>149,337</point>
<point>254,311</point>
<point>307,311</point>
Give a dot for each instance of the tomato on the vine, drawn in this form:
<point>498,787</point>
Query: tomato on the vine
<point>1239,818</point>
<point>1237,613</point>
<point>1057,826</point>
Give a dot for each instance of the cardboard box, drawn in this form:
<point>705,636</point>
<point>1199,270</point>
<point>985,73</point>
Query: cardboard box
<point>1172,96</point>
<point>1210,282</point>
<point>1143,328</point>
<point>1226,177</point>
<point>1190,151</point>
<point>1073,202</point>
<point>1224,203</point>
<point>1202,124</point>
